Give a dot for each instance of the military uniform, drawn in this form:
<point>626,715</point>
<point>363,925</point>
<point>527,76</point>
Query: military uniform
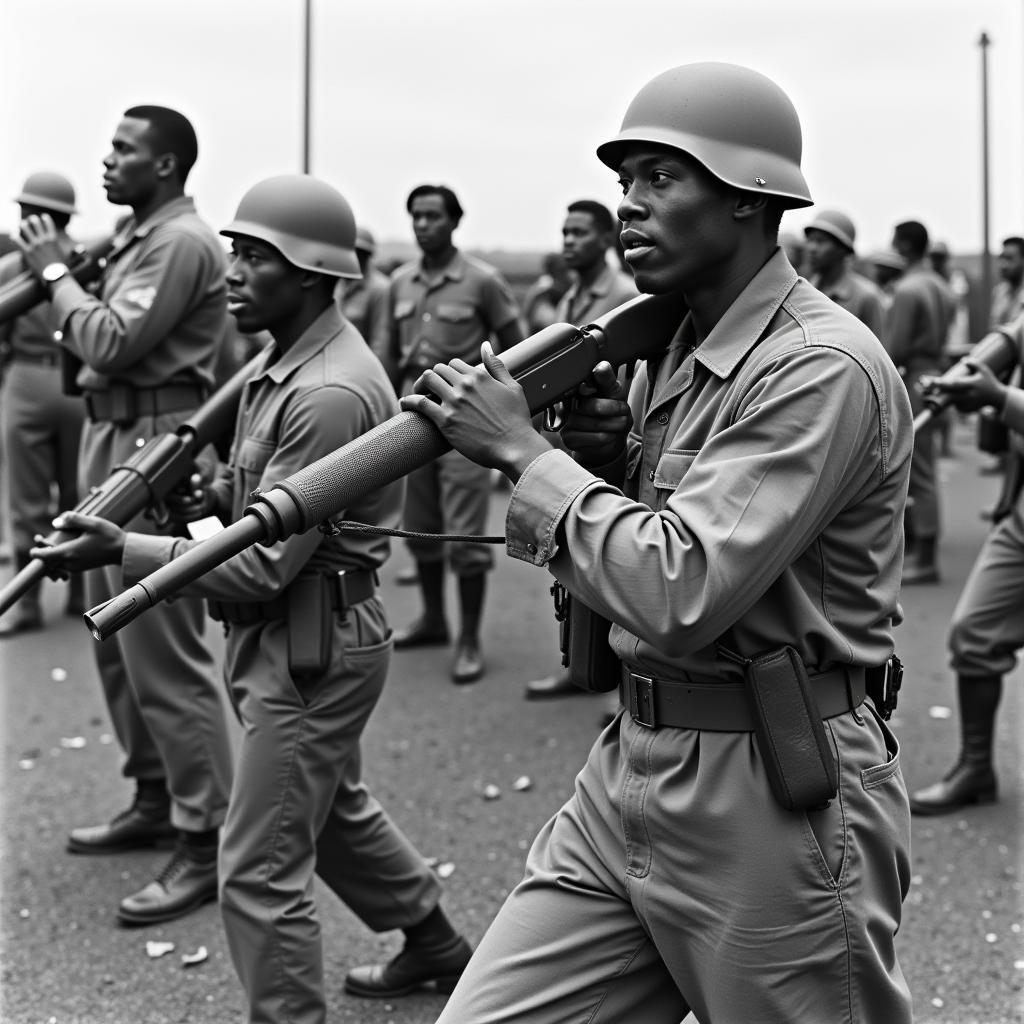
<point>1007,303</point>
<point>365,304</point>
<point>437,319</point>
<point>148,342</point>
<point>915,337</point>
<point>582,305</point>
<point>298,803</point>
<point>859,296</point>
<point>42,426</point>
<point>763,485</point>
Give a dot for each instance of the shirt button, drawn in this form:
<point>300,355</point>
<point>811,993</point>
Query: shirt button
<point>663,417</point>
<point>426,318</point>
<point>532,548</point>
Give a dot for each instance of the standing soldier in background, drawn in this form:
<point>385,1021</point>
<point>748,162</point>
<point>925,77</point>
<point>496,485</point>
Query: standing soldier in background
<point>887,268</point>
<point>588,233</point>
<point>915,336</point>
<point>364,300</point>
<point>148,342</point>
<point>307,646</point>
<point>444,306</point>
<point>987,629</point>
<point>830,247</point>
<point>1008,294</point>
<point>42,426</point>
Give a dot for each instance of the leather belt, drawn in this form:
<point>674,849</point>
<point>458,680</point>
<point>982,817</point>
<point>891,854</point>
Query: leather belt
<point>36,358</point>
<point>724,707</point>
<point>125,404</point>
<point>346,588</point>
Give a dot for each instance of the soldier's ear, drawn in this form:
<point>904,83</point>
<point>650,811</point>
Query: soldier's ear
<point>166,165</point>
<point>749,204</point>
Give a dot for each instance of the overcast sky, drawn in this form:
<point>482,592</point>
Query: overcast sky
<point>506,100</point>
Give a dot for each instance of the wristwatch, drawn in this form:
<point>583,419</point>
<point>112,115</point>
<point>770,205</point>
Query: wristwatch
<point>53,272</point>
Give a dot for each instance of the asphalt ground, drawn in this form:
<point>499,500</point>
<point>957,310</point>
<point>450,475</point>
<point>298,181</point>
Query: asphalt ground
<point>431,751</point>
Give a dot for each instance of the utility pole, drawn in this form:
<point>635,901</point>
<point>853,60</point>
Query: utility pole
<point>306,75</point>
<point>986,255</point>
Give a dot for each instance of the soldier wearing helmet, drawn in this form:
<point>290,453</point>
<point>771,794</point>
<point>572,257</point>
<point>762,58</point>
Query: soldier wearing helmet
<point>737,521</point>
<point>364,300</point>
<point>148,340</point>
<point>42,426</point>
<point>830,237</point>
<point>307,636</point>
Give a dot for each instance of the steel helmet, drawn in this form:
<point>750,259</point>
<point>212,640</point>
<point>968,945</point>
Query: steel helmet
<point>365,241</point>
<point>836,224</point>
<point>49,191</point>
<point>740,125</point>
<point>888,258</point>
<point>305,219</point>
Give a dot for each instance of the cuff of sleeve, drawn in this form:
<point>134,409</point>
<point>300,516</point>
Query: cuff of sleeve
<point>143,554</point>
<point>1012,413</point>
<point>550,484</point>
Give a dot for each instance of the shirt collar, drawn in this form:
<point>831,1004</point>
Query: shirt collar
<point>743,323</point>
<point>328,324</point>
<point>452,272</point>
<point>182,204</point>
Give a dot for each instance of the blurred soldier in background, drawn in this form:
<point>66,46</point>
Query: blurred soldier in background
<point>299,806</point>
<point>830,247</point>
<point>443,306</point>
<point>540,303</point>
<point>149,340</point>
<point>987,628</point>
<point>1008,294</point>
<point>364,301</point>
<point>42,426</point>
<point>915,336</point>
<point>887,268</point>
<point>958,341</point>
<point>588,233</point>
<point>794,248</point>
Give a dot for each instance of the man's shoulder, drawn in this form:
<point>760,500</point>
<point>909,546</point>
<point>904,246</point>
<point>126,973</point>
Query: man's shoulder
<point>826,324</point>
<point>480,269</point>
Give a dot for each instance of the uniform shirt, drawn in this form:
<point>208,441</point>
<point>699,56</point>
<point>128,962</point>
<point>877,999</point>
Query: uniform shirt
<point>765,479</point>
<point>365,305</point>
<point>859,296</point>
<point>580,306</point>
<point>1007,303</point>
<point>299,406</point>
<point>161,315</point>
<point>30,334</point>
<point>436,319</point>
<point>919,317</point>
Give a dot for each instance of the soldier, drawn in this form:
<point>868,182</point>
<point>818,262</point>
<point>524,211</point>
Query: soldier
<point>148,341</point>
<point>443,306</point>
<point>540,303</point>
<point>764,456</point>
<point>987,629</point>
<point>597,287</point>
<point>830,237</point>
<point>887,268</point>
<point>364,300</point>
<point>916,326</point>
<point>1008,294</point>
<point>42,426</point>
<point>298,805</point>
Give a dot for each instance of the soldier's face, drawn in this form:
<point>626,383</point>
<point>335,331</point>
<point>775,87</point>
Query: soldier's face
<point>583,245</point>
<point>131,170</point>
<point>431,224</point>
<point>679,231</point>
<point>824,253</point>
<point>265,291</point>
<point>1011,264</point>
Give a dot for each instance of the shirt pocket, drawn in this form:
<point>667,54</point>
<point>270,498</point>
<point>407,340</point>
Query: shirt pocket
<point>669,473</point>
<point>251,456</point>
<point>460,330</point>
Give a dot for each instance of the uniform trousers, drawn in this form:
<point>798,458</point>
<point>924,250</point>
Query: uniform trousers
<point>673,882</point>
<point>42,430</point>
<point>298,806</point>
<point>450,495</point>
<point>159,678</point>
<point>923,487</point>
<point>988,628</point>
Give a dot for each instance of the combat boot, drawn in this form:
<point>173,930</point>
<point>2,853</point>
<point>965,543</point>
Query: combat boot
<point>972,779</point>
<point>147,823</point>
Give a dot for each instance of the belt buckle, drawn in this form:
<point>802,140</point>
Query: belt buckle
<point>640,693</point>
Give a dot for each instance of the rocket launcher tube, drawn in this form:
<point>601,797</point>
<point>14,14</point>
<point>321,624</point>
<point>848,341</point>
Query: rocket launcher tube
<point>548,365</point>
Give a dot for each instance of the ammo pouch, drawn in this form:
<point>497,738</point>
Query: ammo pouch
<point>791,737</point>
<point>308,606</point>
<point>583,640</point>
